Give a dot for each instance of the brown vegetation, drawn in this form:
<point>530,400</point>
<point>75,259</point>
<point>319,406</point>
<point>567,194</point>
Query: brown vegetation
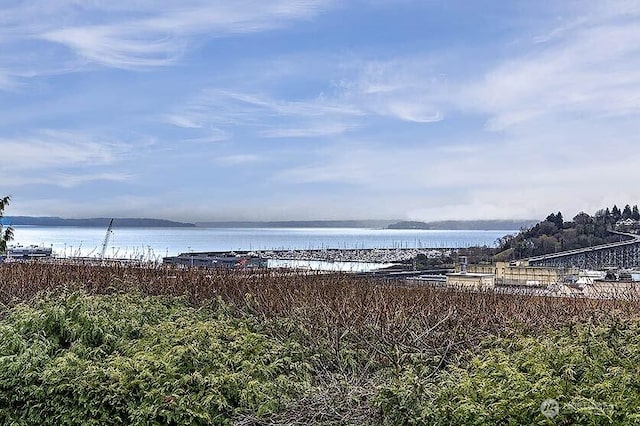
<point>330,305</point>
<point>358,333</point>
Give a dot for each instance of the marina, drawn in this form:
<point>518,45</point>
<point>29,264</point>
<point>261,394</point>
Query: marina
<point>354,250</point>
<point>330,245</point>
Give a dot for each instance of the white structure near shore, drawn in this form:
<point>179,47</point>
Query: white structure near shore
<point>473,281</point>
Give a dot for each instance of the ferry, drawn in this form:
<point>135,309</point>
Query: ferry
<point>18,252</point>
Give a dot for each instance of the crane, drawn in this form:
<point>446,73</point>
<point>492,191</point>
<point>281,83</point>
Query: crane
<point>106,239</point>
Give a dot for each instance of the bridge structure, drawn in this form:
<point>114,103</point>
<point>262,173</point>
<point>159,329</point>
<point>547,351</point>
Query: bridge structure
<point>623,254</point>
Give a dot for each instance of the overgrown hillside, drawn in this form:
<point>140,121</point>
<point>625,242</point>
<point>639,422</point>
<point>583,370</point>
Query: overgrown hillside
<point>554,234</point>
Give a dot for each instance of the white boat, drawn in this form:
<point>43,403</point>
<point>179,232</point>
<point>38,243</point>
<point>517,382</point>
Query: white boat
<point>28,252</point>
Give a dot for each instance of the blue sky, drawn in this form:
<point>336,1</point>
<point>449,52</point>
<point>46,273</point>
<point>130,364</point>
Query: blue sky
<point>318,109</point>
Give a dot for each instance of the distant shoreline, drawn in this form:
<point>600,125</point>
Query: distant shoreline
<point>464,225</point>
<point>364,224</point>
<point>452,225</point>
<point>100,222</point>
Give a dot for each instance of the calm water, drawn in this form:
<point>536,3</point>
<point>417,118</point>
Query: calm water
<point>154,242</point>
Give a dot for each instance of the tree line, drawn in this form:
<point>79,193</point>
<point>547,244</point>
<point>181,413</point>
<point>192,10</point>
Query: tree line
<point>554,234</point>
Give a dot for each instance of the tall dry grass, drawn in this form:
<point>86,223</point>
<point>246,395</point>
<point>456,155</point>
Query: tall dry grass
<point>331,306</point>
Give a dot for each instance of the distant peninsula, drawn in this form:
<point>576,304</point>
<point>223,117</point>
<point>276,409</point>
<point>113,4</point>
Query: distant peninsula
<point>467,225</point>
<point>375,224</point>
<point>101,222</point>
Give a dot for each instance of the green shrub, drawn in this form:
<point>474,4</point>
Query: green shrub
<point>128,359</point>
<point>591,371</point>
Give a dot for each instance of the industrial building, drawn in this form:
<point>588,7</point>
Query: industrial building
<point>471,281</point>
<point>522,275</point>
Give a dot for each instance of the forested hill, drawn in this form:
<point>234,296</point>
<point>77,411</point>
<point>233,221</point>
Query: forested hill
<point>94,222</point>
<point>554,234</point>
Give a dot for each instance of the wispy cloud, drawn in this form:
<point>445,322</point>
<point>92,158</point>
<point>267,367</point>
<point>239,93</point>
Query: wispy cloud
<point>237,159</point>
<point>61,179</point>
<point>590,69</point>
<point>72,180</point>
<point>159,35</point>
<point>53,148</point>
<point>405,88</point>
<point>118,47</point>
<point>351,104</point>
<point>70,35</point>
<point>184,121</point>
<point>59,158</point>
<point>6,81</point>
<point>266,116</point>
<point>313,130</point>
<point>236,106</point>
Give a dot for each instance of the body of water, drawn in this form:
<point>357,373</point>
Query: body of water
<point>158,242</point>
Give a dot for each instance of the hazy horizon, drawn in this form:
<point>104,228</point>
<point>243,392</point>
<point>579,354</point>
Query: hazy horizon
<point>304,109</point>
<point>320,220</point>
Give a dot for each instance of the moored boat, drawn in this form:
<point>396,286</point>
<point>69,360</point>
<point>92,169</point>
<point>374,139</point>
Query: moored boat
<point>28,252</point>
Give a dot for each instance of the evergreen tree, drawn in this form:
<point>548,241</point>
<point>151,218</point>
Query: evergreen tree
<point>551,218</point>
<point>584,219</point>
<point>6,234</point>
<point>556,219</point>
<point>616,214</point>
<point>635,214</point>
<point>626,213</point>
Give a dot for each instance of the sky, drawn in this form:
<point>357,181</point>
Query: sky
<point>201,110</point>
